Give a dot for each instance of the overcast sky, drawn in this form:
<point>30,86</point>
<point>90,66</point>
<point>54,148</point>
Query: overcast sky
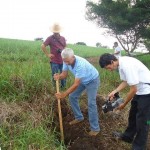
<point>28,19</point>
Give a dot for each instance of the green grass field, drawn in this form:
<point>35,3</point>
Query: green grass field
<point>24,61</point>
<point>25,77</point>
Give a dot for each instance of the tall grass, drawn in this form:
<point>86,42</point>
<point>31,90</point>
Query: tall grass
<point>25,74</point>
<point>23,63</point>
<point>22,138</point>
<point>86,51</point>
<point>25,70</point>
<point>145,59</point>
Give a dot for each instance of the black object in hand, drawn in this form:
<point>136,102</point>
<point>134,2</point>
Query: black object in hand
<point>59,51</point>
<point>111,105</point>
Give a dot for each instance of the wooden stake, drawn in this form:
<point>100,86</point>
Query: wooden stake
<point>60,114</point>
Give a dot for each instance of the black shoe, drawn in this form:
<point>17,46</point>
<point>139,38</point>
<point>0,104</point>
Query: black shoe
<point>120,136</point>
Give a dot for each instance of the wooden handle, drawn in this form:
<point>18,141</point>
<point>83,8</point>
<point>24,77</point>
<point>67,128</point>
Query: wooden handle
<point>60,114</point>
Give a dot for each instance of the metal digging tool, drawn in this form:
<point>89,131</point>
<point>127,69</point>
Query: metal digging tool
<point>60,114</point>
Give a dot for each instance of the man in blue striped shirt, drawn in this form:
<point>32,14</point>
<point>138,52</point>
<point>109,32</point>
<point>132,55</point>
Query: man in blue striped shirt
<point>86,78</point>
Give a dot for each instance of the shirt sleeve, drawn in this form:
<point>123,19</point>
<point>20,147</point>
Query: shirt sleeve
<point>117,49</point>
<point>64,42</point>
<point>47,41</point>
<point>65,67</point>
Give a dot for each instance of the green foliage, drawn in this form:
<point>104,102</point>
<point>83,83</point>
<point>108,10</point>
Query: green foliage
<point>25,138</point>
<point>81,43</point>
<point>145,59</point>
<point>87,51</point>
<point>147,44</point>
<point>98,44</point>
<point>126,21</point>
<point>25,70</point>
<point>23,129</point>
<point>38,39</point>
<point>25,75</point>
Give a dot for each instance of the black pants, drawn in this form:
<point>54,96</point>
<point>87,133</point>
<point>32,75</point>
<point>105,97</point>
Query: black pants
<point>138,122</point>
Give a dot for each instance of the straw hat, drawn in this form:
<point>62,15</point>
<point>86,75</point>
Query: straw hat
<point>55,28</point>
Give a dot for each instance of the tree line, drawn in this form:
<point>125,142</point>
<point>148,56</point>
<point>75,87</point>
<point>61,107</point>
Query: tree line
<point>127,20</point>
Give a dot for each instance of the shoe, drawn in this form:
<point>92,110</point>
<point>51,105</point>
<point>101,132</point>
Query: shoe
<point>74,121</point>
<point>93,133</point>
<point>120,136</point>
<point>117,135</point>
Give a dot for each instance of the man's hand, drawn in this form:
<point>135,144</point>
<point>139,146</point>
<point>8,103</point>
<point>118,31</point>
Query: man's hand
<point>56,76</point>
<point>121,106</point>
<point>51,55</point>
<point>111,95</point>
<point>61,95</point>
<point>118,89</point>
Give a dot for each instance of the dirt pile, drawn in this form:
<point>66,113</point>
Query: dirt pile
<point>76,136</point>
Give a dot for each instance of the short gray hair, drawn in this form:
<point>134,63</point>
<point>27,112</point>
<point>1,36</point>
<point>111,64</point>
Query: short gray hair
<point>67,52</point>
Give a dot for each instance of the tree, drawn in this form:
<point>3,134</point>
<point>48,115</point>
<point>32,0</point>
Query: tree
<point>81,43</point>
<point>146,37</point>
<point>38,39</point>
<point>147,44</point>
<point>98,44</point>
<point>127,20</point>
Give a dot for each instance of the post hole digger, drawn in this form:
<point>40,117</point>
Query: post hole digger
<point>59,112</point>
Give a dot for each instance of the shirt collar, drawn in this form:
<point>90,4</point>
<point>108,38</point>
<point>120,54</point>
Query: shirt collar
<point>73,63</point>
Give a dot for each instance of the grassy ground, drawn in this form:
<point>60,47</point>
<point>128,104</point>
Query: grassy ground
<point>25,69</point>
<point>25,88</point>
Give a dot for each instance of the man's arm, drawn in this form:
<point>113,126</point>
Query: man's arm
<point>130,94</point>
<point>61,76</point>
<point>117,52</point>
<point>73,87</point>
<point>43,47</point>
<point>70,90</point>
<point>118,89</point>
<point>123,85</point>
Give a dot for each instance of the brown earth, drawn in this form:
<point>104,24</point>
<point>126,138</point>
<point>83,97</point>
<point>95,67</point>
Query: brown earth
<point>93,60</point>
<point>76,136</point>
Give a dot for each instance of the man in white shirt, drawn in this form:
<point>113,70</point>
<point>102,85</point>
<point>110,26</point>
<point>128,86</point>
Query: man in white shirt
<point>117,51</point>
<point>135,74</point>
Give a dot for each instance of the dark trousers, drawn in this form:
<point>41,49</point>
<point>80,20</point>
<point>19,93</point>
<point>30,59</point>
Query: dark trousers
<point>57,68</point>
<point>138,122</point>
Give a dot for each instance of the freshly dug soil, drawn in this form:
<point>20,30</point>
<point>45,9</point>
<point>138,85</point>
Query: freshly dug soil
<point>76,136</point>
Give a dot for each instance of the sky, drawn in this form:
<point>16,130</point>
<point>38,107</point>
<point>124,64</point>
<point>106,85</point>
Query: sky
<point>29,19</point>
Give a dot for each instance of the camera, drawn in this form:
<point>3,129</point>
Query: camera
<point>59,50</point>
<point>111,105</point>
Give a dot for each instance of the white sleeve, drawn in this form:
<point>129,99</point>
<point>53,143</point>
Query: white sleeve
<point>118,49</point>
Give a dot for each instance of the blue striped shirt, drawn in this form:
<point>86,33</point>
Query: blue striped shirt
<point>82,70</point>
